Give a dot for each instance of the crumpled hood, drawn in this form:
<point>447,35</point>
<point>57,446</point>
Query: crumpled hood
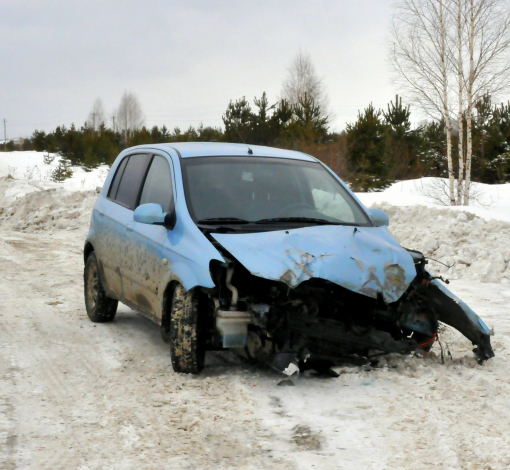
<point>366,260</point>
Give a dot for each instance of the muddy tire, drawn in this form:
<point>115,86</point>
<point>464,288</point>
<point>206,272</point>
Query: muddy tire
<point>100,308</point>
<point>187,345</point>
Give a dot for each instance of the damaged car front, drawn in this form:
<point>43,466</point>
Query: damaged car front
<point>307,276</point>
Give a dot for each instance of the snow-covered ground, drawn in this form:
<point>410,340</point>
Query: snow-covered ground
<point>79,395</point>
<point>31,168</point>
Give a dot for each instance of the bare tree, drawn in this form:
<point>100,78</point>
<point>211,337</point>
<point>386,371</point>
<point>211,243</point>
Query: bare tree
<point>97,116</point>
<point>129,114</point>
<point>488,39</point>
<point>302,78</point>
<point>437,42</point>
<point>460,117</point>
<point>420,54</point>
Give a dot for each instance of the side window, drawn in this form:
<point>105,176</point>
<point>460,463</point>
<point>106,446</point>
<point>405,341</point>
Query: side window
<point>112,194</point>
<point>158,184</point>
<point>132,178</point>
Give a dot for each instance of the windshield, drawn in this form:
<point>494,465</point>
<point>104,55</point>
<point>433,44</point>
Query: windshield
<point>261,189</point>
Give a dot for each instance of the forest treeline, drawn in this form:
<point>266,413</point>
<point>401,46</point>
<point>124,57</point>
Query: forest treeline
<point>380,147</point>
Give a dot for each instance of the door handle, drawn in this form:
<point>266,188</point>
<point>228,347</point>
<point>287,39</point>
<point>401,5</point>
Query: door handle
<point>101,212</point>
<point>130,226</point>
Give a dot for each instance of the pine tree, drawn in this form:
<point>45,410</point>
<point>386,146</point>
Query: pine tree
<point>434,158</point>
<point>280,121</point>
<point>238,119</point>
<point>491,142</point>
<point>261,128</point>
<point>366,144</point>
<point>404,145</point>
<point>48,159</point>
<point>309,124</point>
<point>62,172</point>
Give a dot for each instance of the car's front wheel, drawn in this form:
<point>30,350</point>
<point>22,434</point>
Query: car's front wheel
<point>187,344</point>
<point>100,308</point>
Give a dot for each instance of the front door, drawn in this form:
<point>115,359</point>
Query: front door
<point>144,268</point>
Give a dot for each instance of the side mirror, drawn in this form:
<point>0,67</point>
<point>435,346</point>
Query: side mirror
<point>378,217</point>
<point>153,214</point>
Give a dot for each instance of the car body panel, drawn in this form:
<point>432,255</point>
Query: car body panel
<point>142,265</point>
<point>475,321</point>
<point>109,223</point>
<point>189,254</point>
<point>366,260</point>
<point>216,149</point>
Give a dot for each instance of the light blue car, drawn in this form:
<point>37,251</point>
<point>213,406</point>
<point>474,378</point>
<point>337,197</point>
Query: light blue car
<point>241,246</point>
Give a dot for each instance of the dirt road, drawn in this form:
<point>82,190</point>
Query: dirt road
<point>74,395</point>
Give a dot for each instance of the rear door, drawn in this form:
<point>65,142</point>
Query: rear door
<point>116,216</point>
<point>144,269</point>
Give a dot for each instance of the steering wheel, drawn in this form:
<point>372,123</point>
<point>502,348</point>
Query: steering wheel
<point>295,205</point>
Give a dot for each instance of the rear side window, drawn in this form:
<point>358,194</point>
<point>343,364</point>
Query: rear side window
<point>158,184</point>
<point>131,180</point>
<point>116,180</point>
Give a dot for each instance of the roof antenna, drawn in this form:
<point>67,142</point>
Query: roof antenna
<point>250,151</point>
<point>240,136</point>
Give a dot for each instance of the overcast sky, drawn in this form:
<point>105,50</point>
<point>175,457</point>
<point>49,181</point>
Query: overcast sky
<point>184,59</point>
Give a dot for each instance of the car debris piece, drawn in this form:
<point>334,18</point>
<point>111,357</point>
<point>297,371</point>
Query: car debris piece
<point>285,383</point>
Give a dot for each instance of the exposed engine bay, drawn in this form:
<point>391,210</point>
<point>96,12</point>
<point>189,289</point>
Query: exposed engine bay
<point>319,324</point>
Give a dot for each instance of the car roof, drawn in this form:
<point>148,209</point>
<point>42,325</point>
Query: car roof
<point>216,149</point>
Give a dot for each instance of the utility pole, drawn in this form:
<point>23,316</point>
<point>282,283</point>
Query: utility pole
<point>5,135</point>
<point>113,119</point>
<point>94,121</point>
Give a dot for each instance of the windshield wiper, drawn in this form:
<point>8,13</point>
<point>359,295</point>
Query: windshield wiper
<point>310,220</point>
<point>222,220</point>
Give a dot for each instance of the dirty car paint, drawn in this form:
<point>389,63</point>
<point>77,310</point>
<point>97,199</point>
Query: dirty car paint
<point>366,260</point>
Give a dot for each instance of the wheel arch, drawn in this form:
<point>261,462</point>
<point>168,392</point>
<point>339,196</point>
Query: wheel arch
<point>87,249</point>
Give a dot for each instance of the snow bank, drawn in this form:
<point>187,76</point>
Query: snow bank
<point>36,208</point>
<point>30,201</point>
<point>492,201</point>
<point>30,167</point>
<point>475,248</point>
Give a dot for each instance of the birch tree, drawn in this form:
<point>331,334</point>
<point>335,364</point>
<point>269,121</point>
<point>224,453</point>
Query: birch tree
<point>460,117</point>
<point>420,55</point>
<point>487,35</point>
<point>436,43</point>
<point>97,115</point>
<point>302,79</point>
<point>129,114</point>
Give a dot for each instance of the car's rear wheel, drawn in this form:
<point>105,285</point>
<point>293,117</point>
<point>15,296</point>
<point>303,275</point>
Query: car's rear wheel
<point>187,342</point>
<point>100,308</point>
